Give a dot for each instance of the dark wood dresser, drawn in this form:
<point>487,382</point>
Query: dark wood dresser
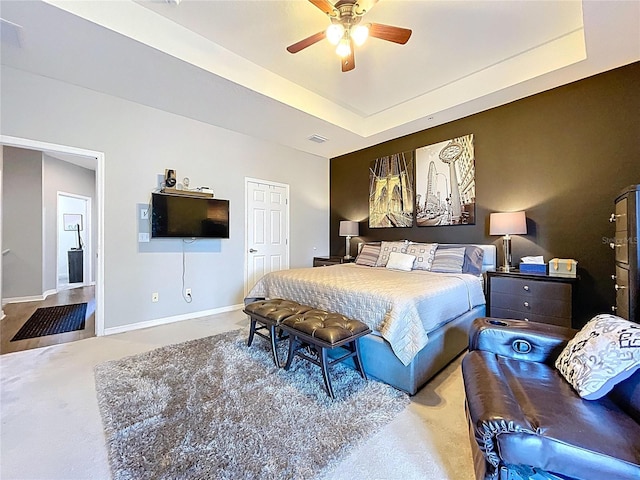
<point>536,298</point>
<point>625,245</point>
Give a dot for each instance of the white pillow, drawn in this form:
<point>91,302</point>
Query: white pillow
<point>400,261</point>
<point>604,353</point>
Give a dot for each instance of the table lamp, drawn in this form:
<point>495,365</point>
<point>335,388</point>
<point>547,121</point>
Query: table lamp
<point>348,229</point>
<point>507,224</point>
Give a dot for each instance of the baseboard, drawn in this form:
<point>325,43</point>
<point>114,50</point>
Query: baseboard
<point>176,318</point>
<point>30,298</point>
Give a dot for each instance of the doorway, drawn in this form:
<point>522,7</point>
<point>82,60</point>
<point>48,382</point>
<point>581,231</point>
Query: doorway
<point>267,233</point>
<point>97,245</point>
<point>74,266</point>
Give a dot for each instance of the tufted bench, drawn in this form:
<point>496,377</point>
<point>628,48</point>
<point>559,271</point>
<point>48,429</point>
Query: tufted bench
<point>322,331</point>
<point>267,315</point>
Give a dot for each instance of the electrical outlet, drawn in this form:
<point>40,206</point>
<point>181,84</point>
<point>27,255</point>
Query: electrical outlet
<point>187,292</point>
<point>154,297</point>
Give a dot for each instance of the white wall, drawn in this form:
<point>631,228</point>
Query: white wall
<point>139,143</point>
<point>22,223</point>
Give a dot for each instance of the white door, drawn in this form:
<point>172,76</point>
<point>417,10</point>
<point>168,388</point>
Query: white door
<point>267,234</point>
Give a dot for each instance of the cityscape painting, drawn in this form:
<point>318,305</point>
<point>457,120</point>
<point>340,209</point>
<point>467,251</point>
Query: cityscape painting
<point>445,183</point>
<point>391,191</point>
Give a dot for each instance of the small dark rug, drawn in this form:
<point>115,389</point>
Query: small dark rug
<point>214,408</point>
<point>53,320</point>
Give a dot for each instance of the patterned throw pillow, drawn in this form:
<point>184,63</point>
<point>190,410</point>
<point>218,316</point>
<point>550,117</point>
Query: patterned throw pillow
<point>605,352</point>
<point>473,258</point>
<point>368,255</point>
<point>400,261</point>
<point>386,248</point>
<point>424,253</point>
<point>448,260</point>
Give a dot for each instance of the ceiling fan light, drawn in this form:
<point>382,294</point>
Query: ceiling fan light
<point>360,34</point>
<point>334,33</point>
<point>343,49</point>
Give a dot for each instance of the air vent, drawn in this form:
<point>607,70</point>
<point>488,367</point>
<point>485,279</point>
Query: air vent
<point>10,33</point>
<point>317,138</point>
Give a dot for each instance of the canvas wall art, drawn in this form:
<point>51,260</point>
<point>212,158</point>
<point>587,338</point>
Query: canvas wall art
<point>391,191</point>
<point>446,183</point>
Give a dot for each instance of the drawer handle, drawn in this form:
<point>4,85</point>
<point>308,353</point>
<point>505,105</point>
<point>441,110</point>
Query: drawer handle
<point>613,277</point>
<point>614,217</point>
<point>619,287</point>
<point>526,287</point>
<point>614,308</point>
<point>615,245</point>
<point>526,304</point>
<point>526,319</point>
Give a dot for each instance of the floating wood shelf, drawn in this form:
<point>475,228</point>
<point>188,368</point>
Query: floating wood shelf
<point>186,193</point>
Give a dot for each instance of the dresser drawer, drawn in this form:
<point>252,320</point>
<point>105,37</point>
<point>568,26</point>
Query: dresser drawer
<point>621,216</point>
<point>622,293</point>
<point>506,313</point>
<point>528,305</point>
<point>528,289</point>
<point>620,245</point>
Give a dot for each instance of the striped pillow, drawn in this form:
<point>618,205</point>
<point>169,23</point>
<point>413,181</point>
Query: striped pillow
<point>368,255</point>
<point>448,260</point>
<point>385,250</point>
<point>424,253</point>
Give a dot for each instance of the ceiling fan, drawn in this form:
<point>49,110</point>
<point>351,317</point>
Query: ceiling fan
<point>346,31</point>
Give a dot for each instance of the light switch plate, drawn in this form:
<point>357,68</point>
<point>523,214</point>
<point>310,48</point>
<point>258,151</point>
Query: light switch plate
<point>144,214</point>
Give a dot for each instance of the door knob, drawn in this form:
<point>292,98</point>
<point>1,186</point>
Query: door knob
<point>252,250</point>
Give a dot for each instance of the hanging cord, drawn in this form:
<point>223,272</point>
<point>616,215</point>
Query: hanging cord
<point>187,297</point>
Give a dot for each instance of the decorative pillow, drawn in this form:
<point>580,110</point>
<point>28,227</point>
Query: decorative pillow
<point>473,257</point>
<point>386,248</point>
<point>424,253</point>
<point>400,261</point>
<point>605,352</point>
<point>448,260</point>
<point>368,255</point>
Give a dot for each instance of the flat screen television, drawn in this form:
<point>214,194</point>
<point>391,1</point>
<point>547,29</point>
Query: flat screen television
<point>193,217</point>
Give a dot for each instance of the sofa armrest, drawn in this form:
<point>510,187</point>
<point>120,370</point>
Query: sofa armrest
<point>519,339</point>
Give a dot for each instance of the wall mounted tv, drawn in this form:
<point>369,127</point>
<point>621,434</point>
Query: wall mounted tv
<point>185,216</point>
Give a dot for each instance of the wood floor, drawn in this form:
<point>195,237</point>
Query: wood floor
<point>18,313</point>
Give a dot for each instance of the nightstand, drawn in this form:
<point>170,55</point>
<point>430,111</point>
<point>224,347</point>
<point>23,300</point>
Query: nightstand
<point>331,260</point>
<point>538,298</point>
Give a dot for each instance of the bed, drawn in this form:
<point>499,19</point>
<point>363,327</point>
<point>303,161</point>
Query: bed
<point>419,318</point>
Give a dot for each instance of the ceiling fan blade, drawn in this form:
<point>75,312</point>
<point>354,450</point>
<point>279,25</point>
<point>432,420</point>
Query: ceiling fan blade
<point>389,33</point>
<point>307,42</point>
<point>365,5</point>
<point>325,6</point>
<point>349,62</point>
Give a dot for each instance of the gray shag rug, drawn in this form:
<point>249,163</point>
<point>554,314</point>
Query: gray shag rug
<point>213,408</point>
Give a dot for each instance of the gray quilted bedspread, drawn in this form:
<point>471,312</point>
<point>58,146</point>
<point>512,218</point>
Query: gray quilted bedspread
<point>402,307</point>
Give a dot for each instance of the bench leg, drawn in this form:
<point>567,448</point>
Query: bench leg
<point>252,331</point>
<point>294,343</point>
<point>356,359</point>
<point>272,334</point>
<point>325,371</point>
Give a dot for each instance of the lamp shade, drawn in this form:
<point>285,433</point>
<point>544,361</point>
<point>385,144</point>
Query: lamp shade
<point>349,229</point>
<point>507,223</point>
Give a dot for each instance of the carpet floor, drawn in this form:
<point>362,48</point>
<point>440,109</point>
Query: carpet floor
<point>48,405</point>
<point>214,408</point>
<point>53,320</point>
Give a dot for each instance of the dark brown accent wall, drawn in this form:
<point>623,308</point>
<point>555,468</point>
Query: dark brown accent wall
<point>561,155</point>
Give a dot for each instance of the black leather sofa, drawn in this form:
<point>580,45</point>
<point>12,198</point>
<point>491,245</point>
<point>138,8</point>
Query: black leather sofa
<point>527,422</point>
